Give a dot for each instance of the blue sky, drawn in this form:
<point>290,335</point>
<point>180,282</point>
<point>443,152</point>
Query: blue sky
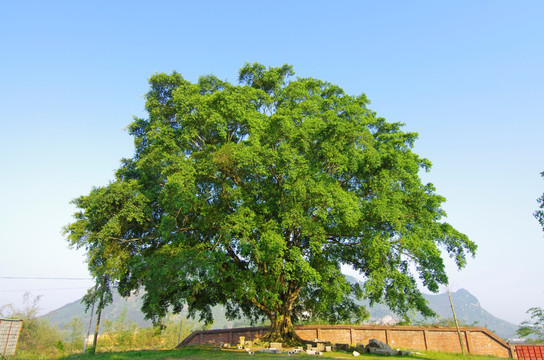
<point>466,75</point>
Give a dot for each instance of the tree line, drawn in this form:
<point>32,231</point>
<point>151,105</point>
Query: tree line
<point>39,337</point>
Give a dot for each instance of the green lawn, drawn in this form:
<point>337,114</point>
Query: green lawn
<point>198,353</point>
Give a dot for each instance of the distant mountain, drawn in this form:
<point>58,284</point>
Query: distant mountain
<point>132,305</point>
<point>467,309</point>
<point>470,312</point>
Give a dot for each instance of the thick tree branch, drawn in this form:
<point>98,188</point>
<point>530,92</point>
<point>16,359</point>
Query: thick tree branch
<point>242,265</point>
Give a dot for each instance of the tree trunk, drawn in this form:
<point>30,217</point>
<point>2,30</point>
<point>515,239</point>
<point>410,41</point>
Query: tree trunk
<point>88,330</point>
<point>95,339</point>
<point>282,329</point>
<point>97,326</point>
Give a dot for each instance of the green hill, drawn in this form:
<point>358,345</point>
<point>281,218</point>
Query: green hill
<point>132,306</point>
<point>467,308</point>
<point>470,312</point>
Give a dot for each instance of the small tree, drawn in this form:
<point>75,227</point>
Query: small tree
<point>74,331</point>
<point>121,330</point>
<point>534,327</point>
<point>99,296</point>
<point>539,214</point>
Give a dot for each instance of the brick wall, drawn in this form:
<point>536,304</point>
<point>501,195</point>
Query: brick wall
<point>476,340</point>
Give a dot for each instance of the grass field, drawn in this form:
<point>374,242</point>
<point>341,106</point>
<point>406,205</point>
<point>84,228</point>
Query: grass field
<point>201,353</point>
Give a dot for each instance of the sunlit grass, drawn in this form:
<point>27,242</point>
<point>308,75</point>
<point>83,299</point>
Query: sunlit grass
<point>208,353</point>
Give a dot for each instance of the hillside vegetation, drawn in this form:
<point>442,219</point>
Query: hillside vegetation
<point>64,337</point>
<point>467,307</point>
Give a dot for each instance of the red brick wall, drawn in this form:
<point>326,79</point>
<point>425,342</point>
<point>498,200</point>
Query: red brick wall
<point>476,340</point>
<point>362,335</point>
<point>447,341</point>
<point>411,339</point>
<point>337,336</point>
<point>482,344</point>
<point>309,334</point>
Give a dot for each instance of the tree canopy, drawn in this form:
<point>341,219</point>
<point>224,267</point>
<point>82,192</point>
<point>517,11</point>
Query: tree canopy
<point>253,195</point>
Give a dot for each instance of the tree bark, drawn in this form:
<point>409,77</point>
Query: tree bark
<point>282,329</point>
<point>88,330</point>
<point>95,338</point>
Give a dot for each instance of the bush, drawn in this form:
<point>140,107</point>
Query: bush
<point>38,338</point>
<point>122,334</point>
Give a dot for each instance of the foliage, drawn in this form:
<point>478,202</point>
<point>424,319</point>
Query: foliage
<point>306,318</point>
<point>253,195</point>
<point>74,333</point>
<point>535,327</point>
<point>539,214</point>
<point>122,334</point>
<point>37,338</point>
<point>446,322</point>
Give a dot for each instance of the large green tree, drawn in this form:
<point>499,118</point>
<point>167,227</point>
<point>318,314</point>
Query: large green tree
<point>253,195</point>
